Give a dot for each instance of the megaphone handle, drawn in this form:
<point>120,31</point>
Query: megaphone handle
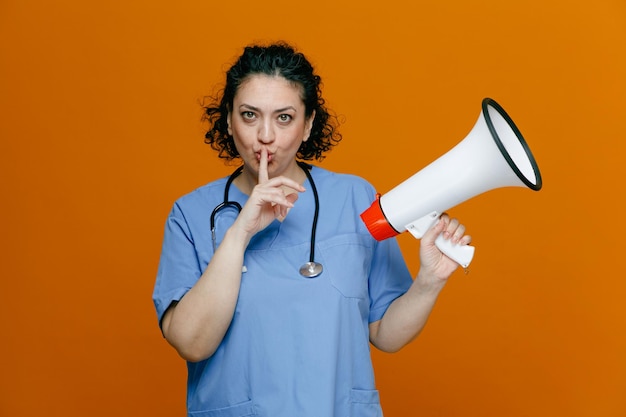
<point>461,254</point>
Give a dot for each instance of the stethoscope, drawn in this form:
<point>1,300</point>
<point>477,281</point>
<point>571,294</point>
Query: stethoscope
<point>310,269</point>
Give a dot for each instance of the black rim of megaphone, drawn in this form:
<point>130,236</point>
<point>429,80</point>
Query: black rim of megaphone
<point>491,102</point>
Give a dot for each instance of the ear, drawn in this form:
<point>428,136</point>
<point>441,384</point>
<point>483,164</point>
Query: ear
<point>228,121</point>
<point>309,126</point>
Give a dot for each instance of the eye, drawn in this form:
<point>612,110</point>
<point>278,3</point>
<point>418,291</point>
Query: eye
<point>247,115</point>
<point>284,118</point>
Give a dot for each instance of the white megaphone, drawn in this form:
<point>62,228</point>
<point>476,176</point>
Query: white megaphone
<point>493,155</point>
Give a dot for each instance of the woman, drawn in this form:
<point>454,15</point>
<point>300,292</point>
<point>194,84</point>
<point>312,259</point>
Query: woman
<point>261,336</point>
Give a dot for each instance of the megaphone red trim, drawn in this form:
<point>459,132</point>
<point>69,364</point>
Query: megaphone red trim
<point>376,222</point>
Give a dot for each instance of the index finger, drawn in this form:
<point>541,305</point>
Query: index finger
<point>263,175</point>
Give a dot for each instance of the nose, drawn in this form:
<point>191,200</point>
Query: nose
<point>266,132</point>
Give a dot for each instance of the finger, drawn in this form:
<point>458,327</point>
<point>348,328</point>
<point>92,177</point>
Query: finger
<point>283,181</point>
<point>281,211</point>
<point>450,227</point>
<point>438,228</point>
<point>455,231</point>
<point>272,195</point>
<point>442,224</point>
<point>458,233</point>
<point>263,175</point>
<point>465,240</point>
<point>286,202</point>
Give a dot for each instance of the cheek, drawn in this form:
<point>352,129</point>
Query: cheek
<point>240,145</point>
<point>296,140</point>
<point>240,133</point>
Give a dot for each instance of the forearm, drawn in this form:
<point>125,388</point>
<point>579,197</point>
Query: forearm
<point>406,316</point>
<point>196,325</point>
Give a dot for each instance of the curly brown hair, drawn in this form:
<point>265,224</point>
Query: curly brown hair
<point>277,59</point>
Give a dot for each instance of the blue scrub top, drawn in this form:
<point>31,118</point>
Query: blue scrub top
<point>296,346</point>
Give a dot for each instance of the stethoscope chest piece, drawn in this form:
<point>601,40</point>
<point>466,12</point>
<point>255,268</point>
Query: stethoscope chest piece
<point>311,269</point>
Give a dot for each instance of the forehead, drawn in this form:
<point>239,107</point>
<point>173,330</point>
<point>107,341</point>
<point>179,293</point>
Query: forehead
<point>261,88</point>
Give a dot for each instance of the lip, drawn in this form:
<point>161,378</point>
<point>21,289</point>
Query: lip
<point>270,155</point>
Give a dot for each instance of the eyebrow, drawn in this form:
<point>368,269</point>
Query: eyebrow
<point>248,106</point>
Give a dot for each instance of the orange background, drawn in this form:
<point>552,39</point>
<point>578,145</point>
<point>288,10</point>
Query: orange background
<point>100,133</point>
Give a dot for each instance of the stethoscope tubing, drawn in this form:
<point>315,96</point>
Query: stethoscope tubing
<point>224,204</point>
<point>309,270</point>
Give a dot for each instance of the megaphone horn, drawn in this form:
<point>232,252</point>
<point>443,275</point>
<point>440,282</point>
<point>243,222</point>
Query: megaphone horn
<point>493,155</point>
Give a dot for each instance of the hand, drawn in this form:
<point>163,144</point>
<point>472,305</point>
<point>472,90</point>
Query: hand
<point>268,200</point>
<point>435,266</point>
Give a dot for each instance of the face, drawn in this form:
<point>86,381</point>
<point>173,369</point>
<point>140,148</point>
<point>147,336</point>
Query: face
<point>268,115</point>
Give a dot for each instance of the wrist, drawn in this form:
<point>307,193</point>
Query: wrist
<point>428,284</point>
<point>237,237</point>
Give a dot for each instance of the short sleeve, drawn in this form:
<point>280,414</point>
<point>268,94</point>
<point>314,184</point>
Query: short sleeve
<point>179,266</point>
<point>389,277</point>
